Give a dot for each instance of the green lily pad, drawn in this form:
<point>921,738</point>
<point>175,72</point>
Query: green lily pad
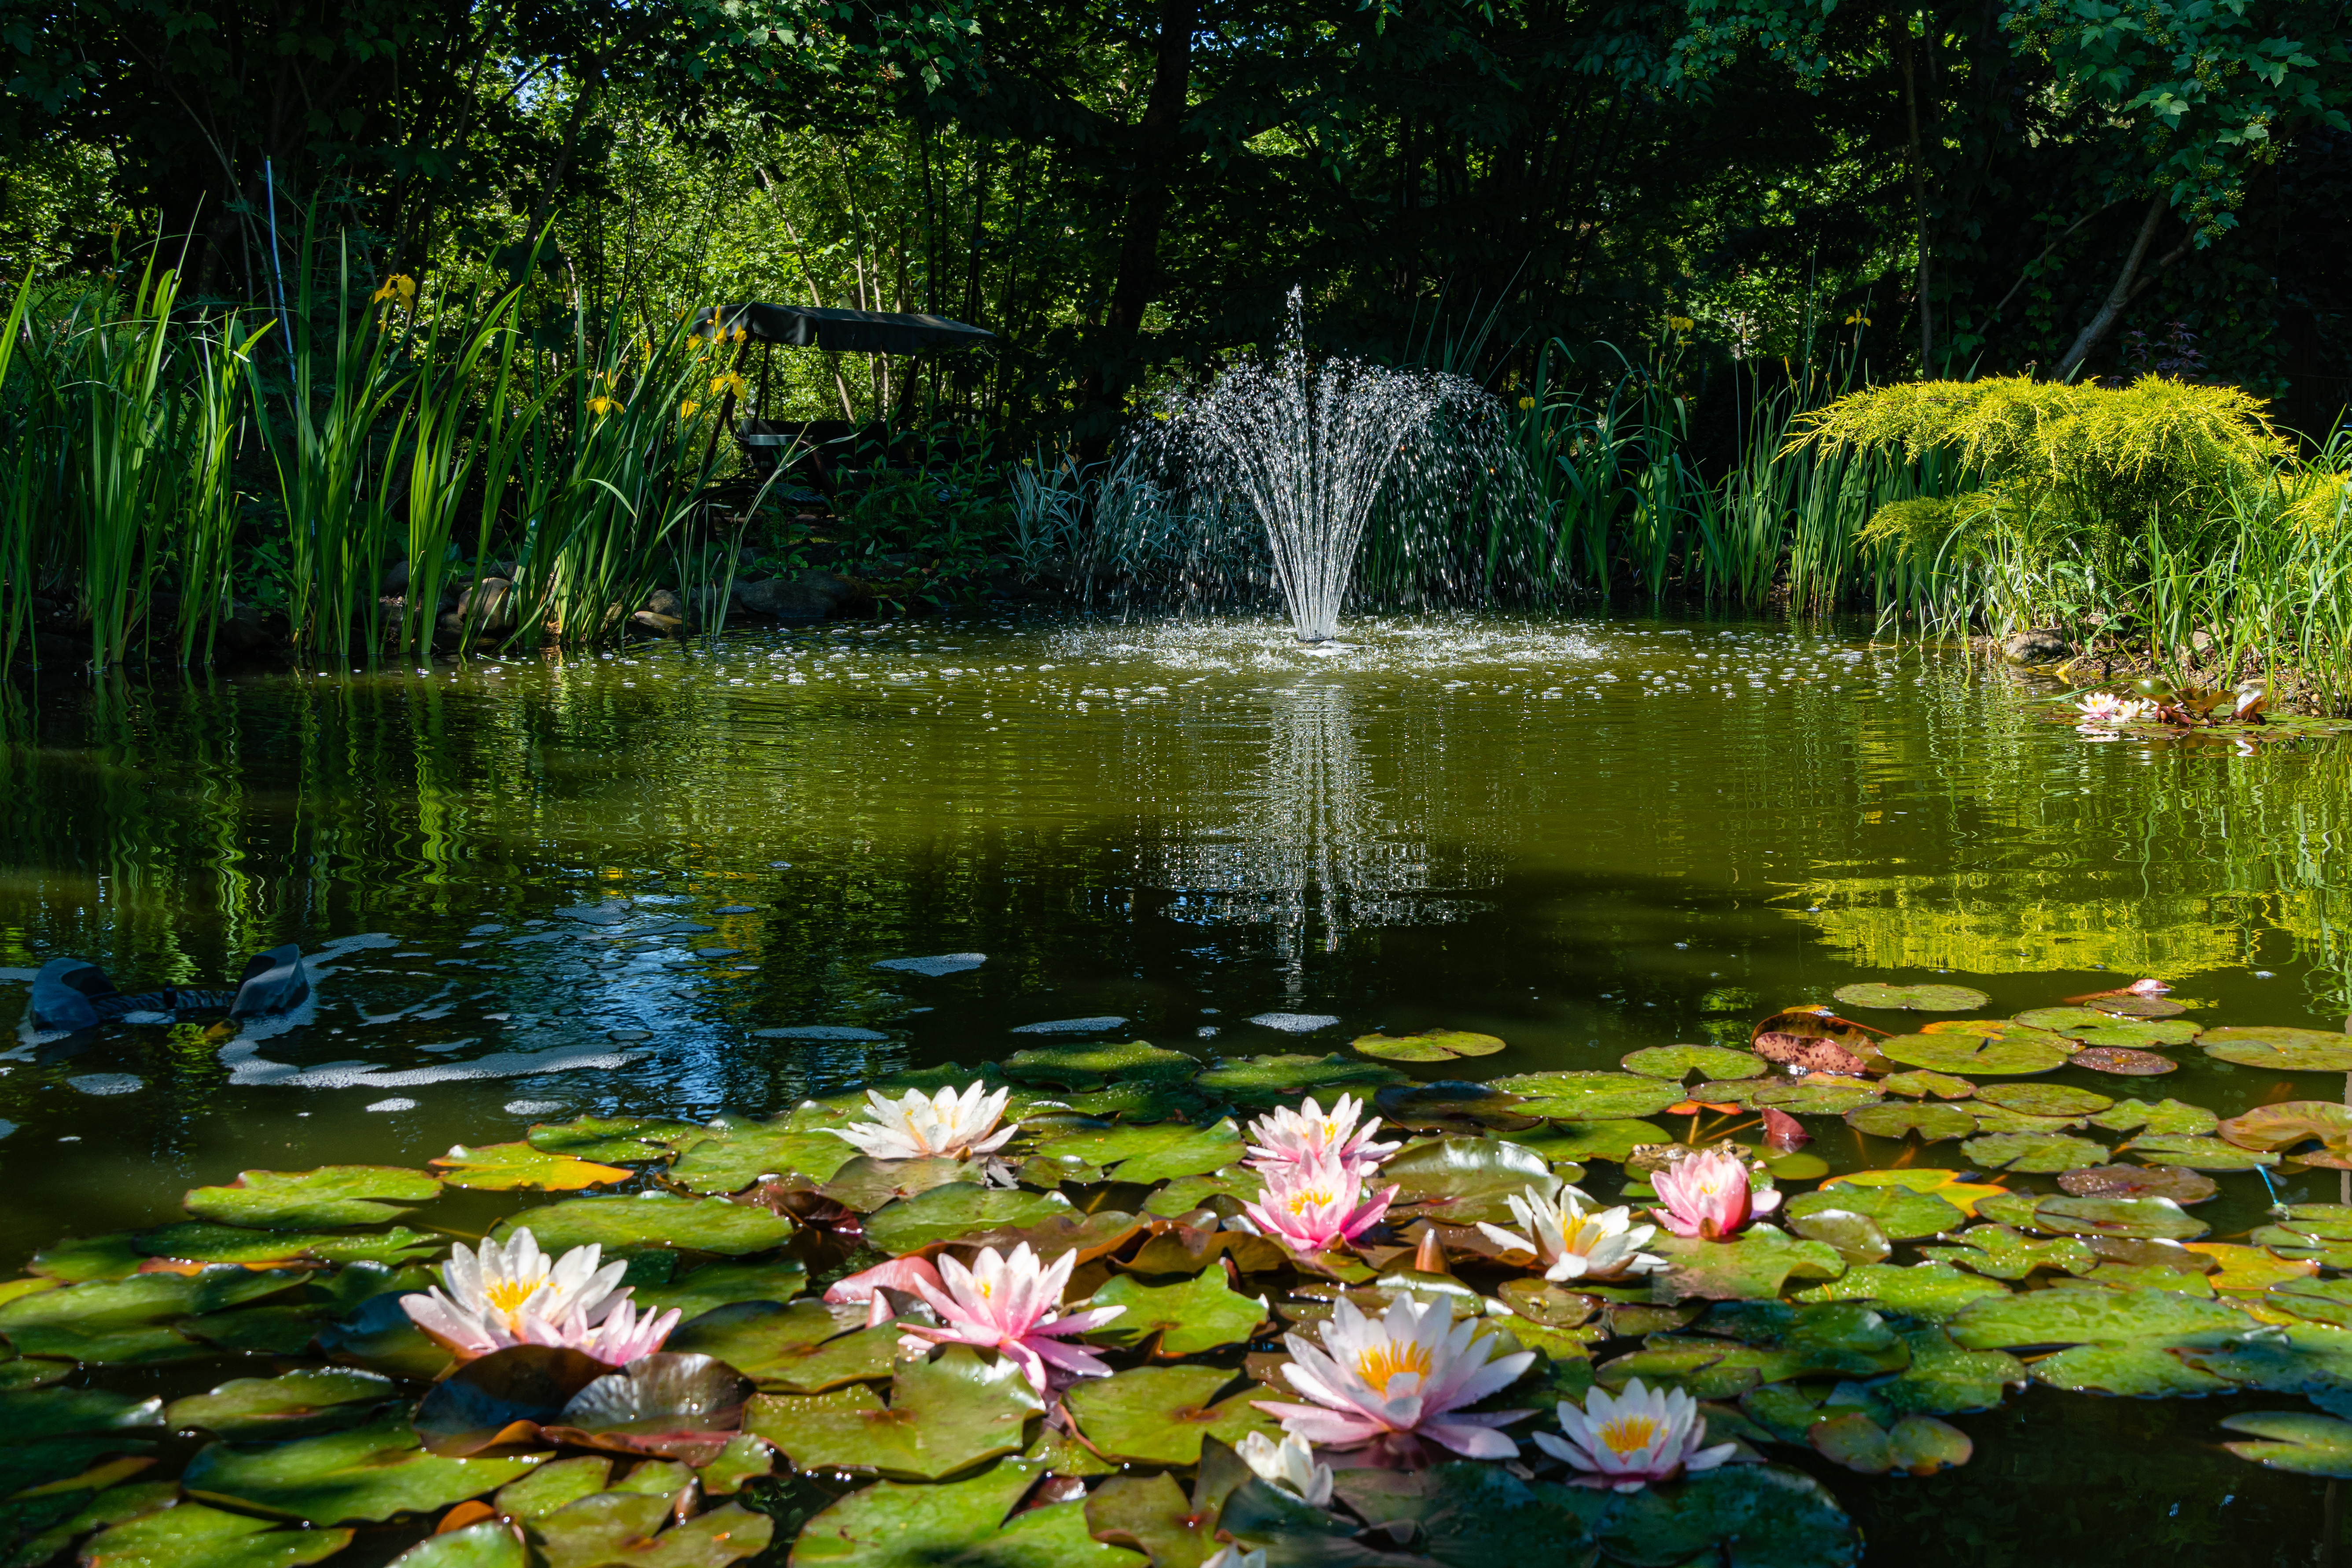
<point>555,1484</point>
<point>2281,1049</point>
<point>1573,1144</point>
<point>743,1155</point>
<point>1191,1317</point>
<point>1768,1517</point>
<point>1427,1046</point>
<point>2183,1187</point>
<point>2166,1116</point>
<point>2140,1034</point>
<point>1945,1380</point>
<point>893,1524</point>
<point>303,1200</point>
<point>1269,1080</point>
<point>1677,1063</point>
<point>624,1526</point>
<point>1816,1094</point>
<point>2200,1153</point>
<point>2301,1358</point>
<point>1857,1237</point>
<point>950,1213</point>
<point>1929,1122</point>
<point>513,1167</point>
<point>1465,1514</point>
<point>1154,1514</point>
<point>2090,1317</point>
<point>1158,1415</point>
<point>290,1248</point>
<point>2294,1441</point>
<point>195,1536</point>
<point>866,1184</point>
<point>722,1284</point>
<point>1928,1291</point>
<point>491,1543</point>
<point>2001,1252</point>
<point>79,1258</point>
<point>804,1347</point>
<point>1588,1096</point>
<point>1913,999</point>
<point>1755,1264</point>
<point>123,1321</point>
<point>1086,1066</point>
<point>2044,1098</point>
<point>1461,1181</point>
<point>1155,1153</point>
<point>621,1224</point>
<point>2044,1154</point>
<point>1974,1056</point>
<point>2065,1020</point>
<point>615,1139</point>
<point>2148,1370</point>
<point>2143,1219</point>
<point>1918,1084</point>
<point>1146,1100</point>
<point>89,1503</point>
<point>29,1415</point>
<point>1900,1214</point>
<point>369,1472</point>
<point>1918,1445</point>
<point>295,1404</point>
<point>946,1415</point>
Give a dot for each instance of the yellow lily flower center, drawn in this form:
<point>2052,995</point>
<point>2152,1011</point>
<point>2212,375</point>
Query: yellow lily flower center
<point>1625,1435</point>
<point>1315,1196</point>
<point>1391,1359</point>
<point>508,1295</point>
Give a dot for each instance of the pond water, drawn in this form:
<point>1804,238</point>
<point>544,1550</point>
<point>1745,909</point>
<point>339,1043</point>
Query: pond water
<point>684,879</point>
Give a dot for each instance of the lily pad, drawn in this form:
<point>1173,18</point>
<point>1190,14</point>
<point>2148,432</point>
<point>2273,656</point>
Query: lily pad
<point>503,1398</point>
<point>2281,1049</point>
<point>2202,1154</point>
<point>1816,1040</point>
<point>1901,1215</point>
<point>621,1224</point>
<point>1815,1094</point>
<point>2044,1098</point>
<point>1974,1056</point>
<point>1086,1066</point>
<point>1156,1153</point>
<point>2163,1116</point>
<point>2141,1033</point>
<point>1855,1236</point>
<point>2121,1062</point>
<point>2294,1440</point>
<point>615,1140</point>
<point>195,1536</point>
<point>1157,1415</point>
<point>1677,1063</point>
<point>1273,1079</point>
<point>1927,998</point>
<point>1945,1380</point>
<point>1918,1085</point>
<point>302,1200</point>
<point>285,1249</point>
<point>2003,1252</point>
<point>722,1284</point>
<point>487,1544</point>
<point>1765,1516</point>
<point>804,1347</point>
<point>1916,1444</point>
<point>1575,1142</point>
<point>2064,1020</point>
<point>2129,1370</point>
<point>370,1472</point>
<point>293,1404</point>
<point>512,1167</point>
<point>1928,1291</point>
<point>622,1526</point>
<point>1754,1265</point>
<point>123,1321</point>
<point>2288,1125</point>
<point>732,1163</point>
<point>1427,1046</point>
<point>2039,1152</point>
<point>2137,1181</point>
<point>1461,1181</point>
<point>893,1524</point>
<point>945,1214</point>
<point>2145,1219</point>
<point>2090,1317</point>
<point>1189,1318</point>
<point>1588,1096</point>
<point>1930,1123</point>
<point>945,1416</point>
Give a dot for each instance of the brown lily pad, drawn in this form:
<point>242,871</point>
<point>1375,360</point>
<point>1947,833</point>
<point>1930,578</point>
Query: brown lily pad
<point>2123,1061</point>
<point>2285,1127</point>
<point>2182,1186</point>
<point>1816,1041</point>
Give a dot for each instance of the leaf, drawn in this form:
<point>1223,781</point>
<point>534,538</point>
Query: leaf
<point>804,1348</point>
<point>490,1543</point>
<point>1588,1096</point>
<point>1816,1094</point>
<point>1900,1214</point>
<point>2150,1219</point>
<point>2288,1124</point>
<point>622,1527</point>
<point>1460,1181</point>
<point>503,1398</point>
<point>1945,1380</point>
<point>1273,1079</point>
<point>510,1167</point>
<point>1756,1263</point>
<point>722,1284</point>
<point>2294,1440</point>
<point>945,1416</point>
<point>1151,1514</point>
<point>1157,1415</point>
<point>1676,1063</point>
<point>29,1415</point>
<point>615,1140</point>
<point>289,1249</point>
<point>2122,1062</point>
<point>1815,1039</point>
<point>2089,1317</point>
<point>864,1184</point>
<point>1930,1123</point>
<point>1915,998</point>
<point>1086,1066</point>
<point>650,1219</point>
<point>195,1536</point>
<point>744,1155</point>
<point>894,1525</point>
<point>2128,1370</point>
<point>1918,1084</point>
<point>1193,1316</point>
<point>2208,1153</point>
<point>1855,1236</point>
<point>1973,1056</point>
<point>1770,1518</point>
<point>2280,1049</point>
<point>2001,1252</point>
<point>367,1473</point>
<point>2041,1152</point>
<point>676,1405</point>
<point>2044,1098</point>
<point>1467,1515</point>
<point>1427,1046</point>
<point>121,1321</point>
<point>2163,1116</point>
<point>1929,1291</point>
<point>293,1404</point>
<point>1575,1142</point>
<point>301,1200</point>
<point>2140,1034</point>
<point>945,1214</point>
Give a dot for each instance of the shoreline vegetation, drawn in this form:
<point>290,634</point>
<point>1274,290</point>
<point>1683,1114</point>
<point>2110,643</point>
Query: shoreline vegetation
<point>382,471</point>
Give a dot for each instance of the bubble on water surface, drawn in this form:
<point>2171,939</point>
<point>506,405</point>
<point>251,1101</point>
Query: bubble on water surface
<point>394,1105</point>
<point>1295,1023</point>
<point>107,1083</point>
<point>937,964</point>
<point>1070,1025</point>
<point>534,1107</point>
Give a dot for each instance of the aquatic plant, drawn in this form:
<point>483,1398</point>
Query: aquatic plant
<point>1307,1134</point>
<point>1572,1241</point>
<point>947,1124</point>
<point>501,1295</point>
<point>1317,1205</point>
<point>1289,1464</point>
<point>1708,1194</point>
<point>1384,1384</point>
<point>1638,1438</point>
<point>1011,1303</point>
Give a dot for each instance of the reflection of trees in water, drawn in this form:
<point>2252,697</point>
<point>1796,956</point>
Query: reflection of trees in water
<point>1318,846</point>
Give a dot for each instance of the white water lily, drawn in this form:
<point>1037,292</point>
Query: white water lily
<point>948,1124</point>
<point>1642,1436</point>
<point>512,1293</point>
<point>2105,710</point>
<point>1574,1242</point>
<point>1391,1380</point>
<point>1307,1135</point>
<point>1289,1464</point>
<point>1233,1556</point>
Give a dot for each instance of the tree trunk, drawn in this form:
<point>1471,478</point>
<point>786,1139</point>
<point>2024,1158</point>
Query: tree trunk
<point>1909,54</point>
<point>2118,297</point>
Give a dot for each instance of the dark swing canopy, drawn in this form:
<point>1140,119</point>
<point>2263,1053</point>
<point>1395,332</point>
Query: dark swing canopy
<point>825,327</point>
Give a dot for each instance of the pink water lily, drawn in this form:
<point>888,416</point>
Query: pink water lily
<point>1385,1383</point>
<point>1642,1436</point>
<point>1707,1194</point>
<point>1303,1136</point>
<point>868,1288</point>
<point>1314,1206</point>
<point>1011,1304</point>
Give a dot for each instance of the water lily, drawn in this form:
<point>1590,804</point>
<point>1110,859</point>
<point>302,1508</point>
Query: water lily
<point>1574,1242</point>
<point>1390,1382</point>
<point>1707,1194</point>
<point>1307,1134</point>
<point>1312,1207</point>
<point>512,1293</point>
<point>1231,1555</point>
<point>1011,1304</point>
<point>950,1123</point>
<point>2105,710</point>
<point>870,1288</point>
<point>1289,1464</point>
<point>1642,1436</point>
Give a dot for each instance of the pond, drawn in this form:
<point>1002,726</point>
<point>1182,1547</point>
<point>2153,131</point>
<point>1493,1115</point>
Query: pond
<point>685,880</point>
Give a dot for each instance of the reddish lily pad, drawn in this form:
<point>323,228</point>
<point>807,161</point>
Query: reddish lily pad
<point>2044,1098</point>
<point>2138,1181</point>
<point>1815,1039</point>
<point>2123,1062</point>
<point>1929,998</point>
<point>2286,1126</point>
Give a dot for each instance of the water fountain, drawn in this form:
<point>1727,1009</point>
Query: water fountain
<point>1309,442</point>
